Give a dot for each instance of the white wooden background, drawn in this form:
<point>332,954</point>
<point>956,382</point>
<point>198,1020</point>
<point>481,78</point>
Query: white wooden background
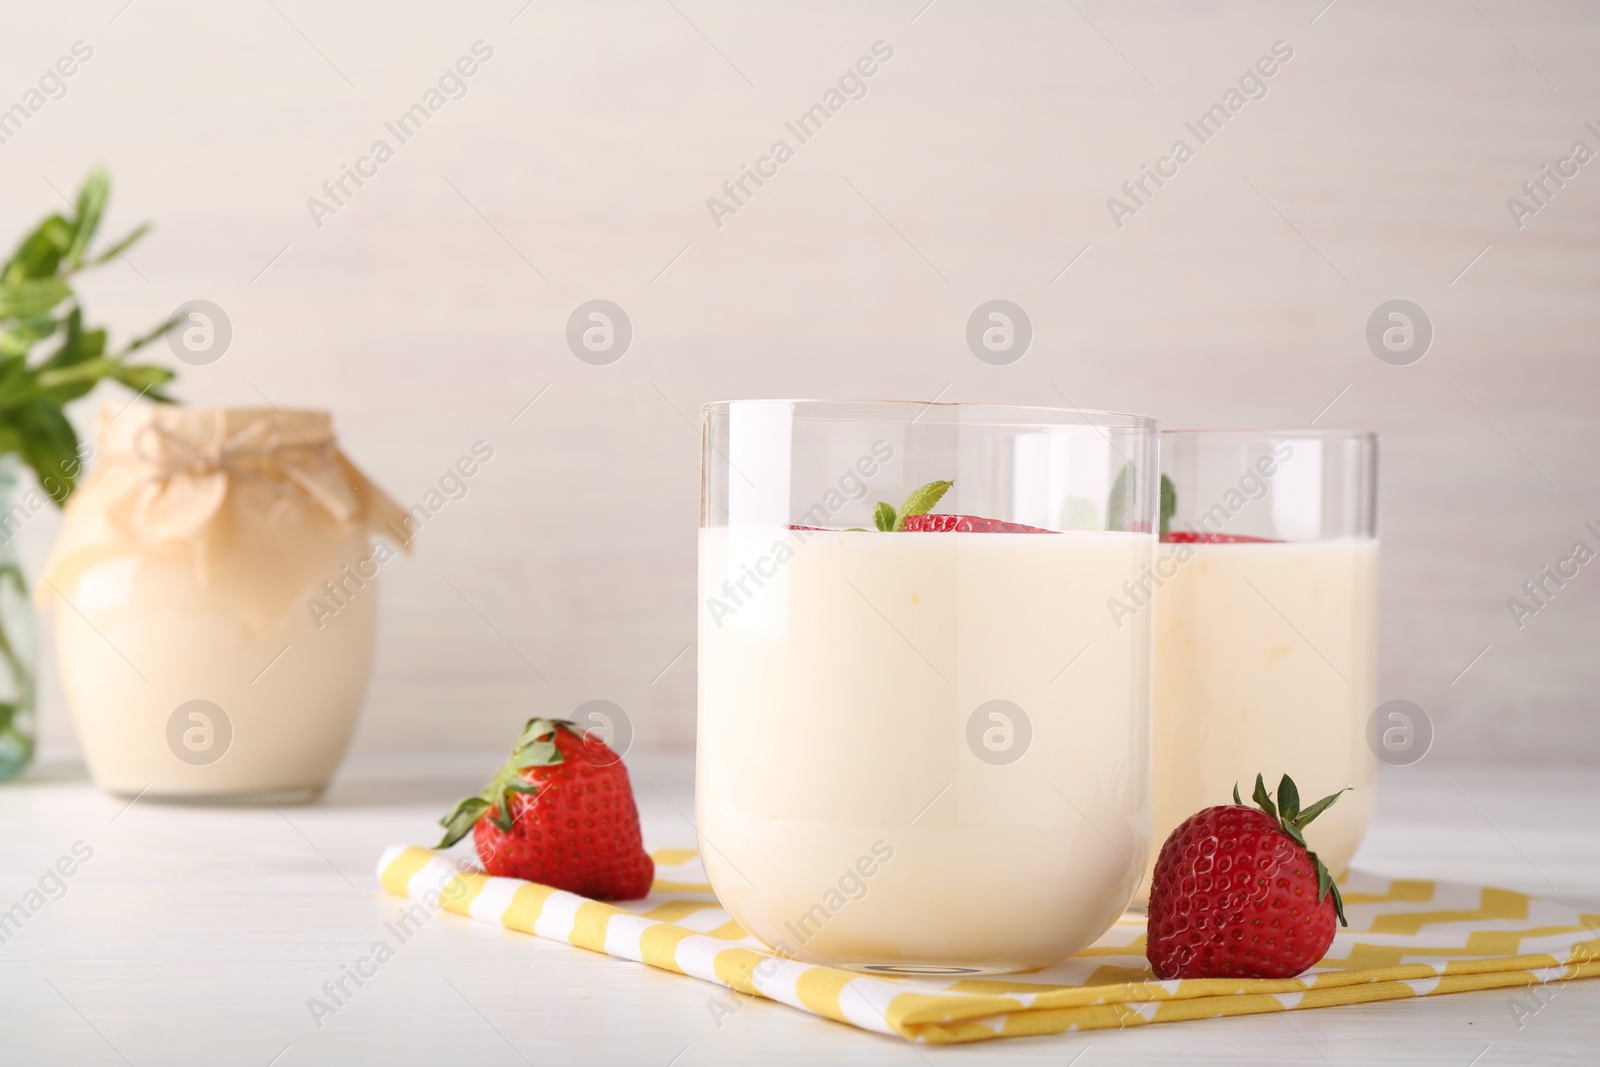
<point>431,308</point>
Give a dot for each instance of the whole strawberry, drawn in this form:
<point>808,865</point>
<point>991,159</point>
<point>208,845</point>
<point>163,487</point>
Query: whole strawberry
<point>561,813</point>
<point>1236,893</point>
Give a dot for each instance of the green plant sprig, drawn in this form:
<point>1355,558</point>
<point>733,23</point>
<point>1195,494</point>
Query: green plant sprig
<point>48,356</point>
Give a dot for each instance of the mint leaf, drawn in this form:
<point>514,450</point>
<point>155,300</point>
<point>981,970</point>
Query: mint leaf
<point>921,501</point>
<point>883,516</point>
<point>1169,504</point>
<point>1118,506</point>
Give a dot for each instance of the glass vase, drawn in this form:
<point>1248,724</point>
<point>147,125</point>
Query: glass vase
<point>17,635</point>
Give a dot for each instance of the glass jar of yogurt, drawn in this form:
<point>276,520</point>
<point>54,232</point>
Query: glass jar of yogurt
<point>215,601</point>
<point>923,739</point>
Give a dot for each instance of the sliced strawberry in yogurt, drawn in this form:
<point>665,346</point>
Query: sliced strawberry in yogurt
<point>964,524</point>
<point>1201,537</point>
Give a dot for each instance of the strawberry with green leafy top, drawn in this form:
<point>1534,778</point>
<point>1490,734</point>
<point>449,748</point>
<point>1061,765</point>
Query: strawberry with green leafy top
<point>1237,894</point>
<point>559,812</point>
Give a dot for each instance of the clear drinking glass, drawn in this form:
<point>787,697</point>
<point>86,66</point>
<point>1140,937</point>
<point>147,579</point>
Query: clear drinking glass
<point>923,751</point>
<point>1266,626</point>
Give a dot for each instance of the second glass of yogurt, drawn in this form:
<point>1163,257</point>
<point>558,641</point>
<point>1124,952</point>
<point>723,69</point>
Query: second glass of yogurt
<point>1265,590</point>
<point>923,738</point>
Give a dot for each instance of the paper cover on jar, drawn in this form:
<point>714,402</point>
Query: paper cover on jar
<point>260,500</point>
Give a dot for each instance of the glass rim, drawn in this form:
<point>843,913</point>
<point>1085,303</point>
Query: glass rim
<point>1091,417</point>
<point>1331,435</point>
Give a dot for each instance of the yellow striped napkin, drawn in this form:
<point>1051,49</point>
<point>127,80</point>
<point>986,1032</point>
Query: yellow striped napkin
<point>1405,939</point>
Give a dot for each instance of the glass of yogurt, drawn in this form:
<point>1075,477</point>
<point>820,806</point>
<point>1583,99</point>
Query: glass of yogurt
<point>1265,589</point>
<point>923,738</point>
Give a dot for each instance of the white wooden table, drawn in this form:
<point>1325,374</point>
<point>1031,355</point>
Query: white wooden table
<point>196,936</point>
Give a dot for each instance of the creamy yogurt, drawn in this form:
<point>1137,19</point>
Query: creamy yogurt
<point>172,693</point>
<point>921,751</point>
<point>1266,662</point>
